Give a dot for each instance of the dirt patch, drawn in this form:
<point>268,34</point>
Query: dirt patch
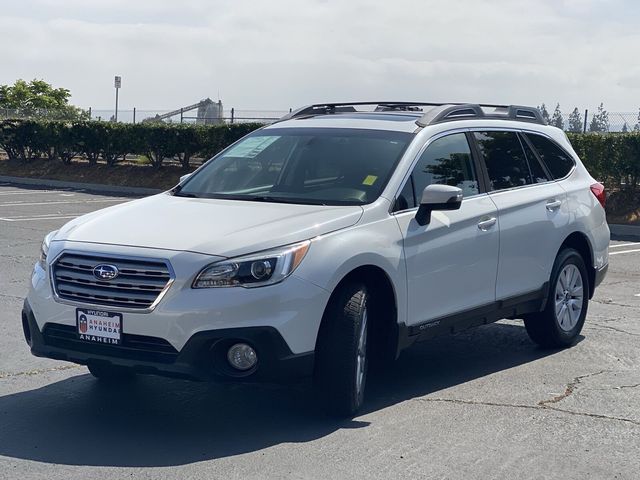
<point>623,207</point>
<point>130,173</point>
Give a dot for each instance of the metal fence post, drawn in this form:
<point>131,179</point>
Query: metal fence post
<point>134,115</point>
<point>586,112</point>
<point>232,114</point>
<point>89,113</point>
<point>181,114</point>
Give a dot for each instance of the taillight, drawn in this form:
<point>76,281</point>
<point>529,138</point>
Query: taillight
<point>598,190</point>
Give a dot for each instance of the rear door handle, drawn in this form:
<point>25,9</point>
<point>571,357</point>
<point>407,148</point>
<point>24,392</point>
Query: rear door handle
<point>553,205</point>
<point>486,224</point>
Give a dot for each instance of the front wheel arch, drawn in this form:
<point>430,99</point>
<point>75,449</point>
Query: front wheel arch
<point>384,311</point>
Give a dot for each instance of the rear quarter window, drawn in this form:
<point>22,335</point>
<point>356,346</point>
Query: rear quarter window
<point>558,162</point>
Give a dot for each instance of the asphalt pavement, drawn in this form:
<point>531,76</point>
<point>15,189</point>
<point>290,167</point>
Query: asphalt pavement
<point>486,403</point>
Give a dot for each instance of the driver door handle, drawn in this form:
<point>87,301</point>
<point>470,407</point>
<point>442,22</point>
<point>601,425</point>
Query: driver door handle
<point>487,223</point>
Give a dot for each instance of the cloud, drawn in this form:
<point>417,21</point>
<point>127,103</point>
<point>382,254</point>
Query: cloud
<point>284,53</point>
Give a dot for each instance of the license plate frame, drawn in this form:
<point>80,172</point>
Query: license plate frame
<point>99,326</point>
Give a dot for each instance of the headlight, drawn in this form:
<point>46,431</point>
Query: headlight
<point>264,268</point>
<point>44,248</point>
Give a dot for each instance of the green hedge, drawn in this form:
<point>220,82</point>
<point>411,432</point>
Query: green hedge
<point>24,140</point>
<point>612,158</point>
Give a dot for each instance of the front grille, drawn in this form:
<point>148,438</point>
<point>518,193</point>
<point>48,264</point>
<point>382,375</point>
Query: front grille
<point>137,286</point>
<point>133,347</point>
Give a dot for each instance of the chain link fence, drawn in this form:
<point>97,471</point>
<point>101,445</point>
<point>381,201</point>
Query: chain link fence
<point>181,116</point>
<point>597,120</point>
<point>134,115</point>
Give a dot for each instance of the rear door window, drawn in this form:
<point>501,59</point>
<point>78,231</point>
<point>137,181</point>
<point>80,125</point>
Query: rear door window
<point>537,171</point>
<point>504,158</point>
<point>557,161</point>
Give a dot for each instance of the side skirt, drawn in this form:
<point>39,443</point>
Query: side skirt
<point>512,307</point>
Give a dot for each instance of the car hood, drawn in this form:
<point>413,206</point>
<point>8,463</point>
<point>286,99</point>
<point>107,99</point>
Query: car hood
<point>211,226</point>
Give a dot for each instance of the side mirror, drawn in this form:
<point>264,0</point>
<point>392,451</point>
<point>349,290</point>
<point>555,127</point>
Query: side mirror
<point>184,177</point>
<point>438,197</point>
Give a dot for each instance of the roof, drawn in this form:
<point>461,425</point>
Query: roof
<point>399,122</point>
<point>402,116</point>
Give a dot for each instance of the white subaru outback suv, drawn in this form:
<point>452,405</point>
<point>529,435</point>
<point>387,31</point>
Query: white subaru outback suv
<point>328,241</point>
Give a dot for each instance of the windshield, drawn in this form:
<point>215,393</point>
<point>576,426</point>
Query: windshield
<point>326,166</point>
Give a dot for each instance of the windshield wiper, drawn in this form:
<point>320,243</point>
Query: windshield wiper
<point>267,198</point>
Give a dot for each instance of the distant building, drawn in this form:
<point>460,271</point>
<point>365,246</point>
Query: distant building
<point>209,112</point>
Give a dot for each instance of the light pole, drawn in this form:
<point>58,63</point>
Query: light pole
<point>117,83</point>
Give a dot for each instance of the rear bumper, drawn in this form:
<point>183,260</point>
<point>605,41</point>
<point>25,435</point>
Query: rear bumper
<point>203,357</point>
<point>600,274</point>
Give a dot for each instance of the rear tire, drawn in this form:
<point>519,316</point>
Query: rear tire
<point>341,361</point>
<point>111,373</point>
<point>560,323</point>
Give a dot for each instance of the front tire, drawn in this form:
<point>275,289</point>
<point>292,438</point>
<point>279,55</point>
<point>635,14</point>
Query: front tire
<point>560,323</point>
<point>342,358</point>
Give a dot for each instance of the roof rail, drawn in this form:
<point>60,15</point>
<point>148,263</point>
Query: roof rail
<point>330,108</point>
<point>451,112</point>
<point>440,112</point>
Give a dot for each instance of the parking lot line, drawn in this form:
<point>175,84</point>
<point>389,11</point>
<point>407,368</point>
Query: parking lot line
<point>30,192</point>
<point>624,245</point>
<point>19,204</point>
<point>26,218</point>
<point>625,251</point>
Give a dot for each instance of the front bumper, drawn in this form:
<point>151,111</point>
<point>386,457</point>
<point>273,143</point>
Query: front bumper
<point>203,357</point>
<point>185,332</point>
<point>293,307</point>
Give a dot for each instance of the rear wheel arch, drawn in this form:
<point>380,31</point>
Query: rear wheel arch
<point>580,242</point>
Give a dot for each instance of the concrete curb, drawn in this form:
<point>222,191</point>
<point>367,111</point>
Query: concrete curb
<point>88,187</point>
<point>625,231</point>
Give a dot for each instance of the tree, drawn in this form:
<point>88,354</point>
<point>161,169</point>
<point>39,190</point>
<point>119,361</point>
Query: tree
<point>557,120</point>
<point>38,99</point>
<point>600,120</point>
<point>575,121</point>
<point>544,112</point>
<point>625,128</point>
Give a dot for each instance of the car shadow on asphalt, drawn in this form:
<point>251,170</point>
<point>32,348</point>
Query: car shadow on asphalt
<point>163,422</point>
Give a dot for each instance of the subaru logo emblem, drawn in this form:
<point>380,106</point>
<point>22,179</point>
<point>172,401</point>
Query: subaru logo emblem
<point>105,272</point>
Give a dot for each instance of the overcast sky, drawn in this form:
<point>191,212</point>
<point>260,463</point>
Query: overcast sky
<point>276,54</point>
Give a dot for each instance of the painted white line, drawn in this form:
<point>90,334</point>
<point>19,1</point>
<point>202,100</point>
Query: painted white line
<point>29,219</point>
<point>33,192</point>
<point>637,295</point>
<point>34,215</point>
<point>76,202</point>
<point>626,251</point>
<point>624,245</point>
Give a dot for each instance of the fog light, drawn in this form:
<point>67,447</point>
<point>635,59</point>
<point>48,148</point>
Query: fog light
<point>242,357</point>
